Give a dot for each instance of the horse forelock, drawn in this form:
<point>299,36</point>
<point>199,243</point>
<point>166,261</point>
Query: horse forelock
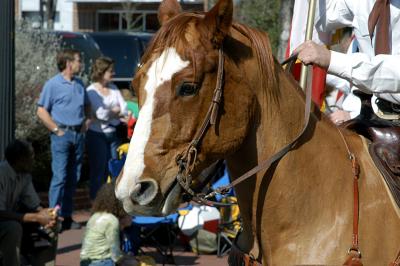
<point>171,34</point>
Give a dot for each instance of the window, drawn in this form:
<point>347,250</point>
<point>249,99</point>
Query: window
<point>114,20</point>
<point>108,21</point>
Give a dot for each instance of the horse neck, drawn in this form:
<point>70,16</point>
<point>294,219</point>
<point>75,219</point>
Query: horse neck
<point>306,198</point>
<point>278,123</point>
<point>271,118</point>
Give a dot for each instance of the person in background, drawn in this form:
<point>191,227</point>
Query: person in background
<point>101,242</point>
<point>131,124</point>
<point>107,109</point>
<point>19,203</point>
<point>61,108</point>
<point>133,111</point>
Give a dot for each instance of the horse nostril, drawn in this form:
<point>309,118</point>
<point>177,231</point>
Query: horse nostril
<point>144,192</point>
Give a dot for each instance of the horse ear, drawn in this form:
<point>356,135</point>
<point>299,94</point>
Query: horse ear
<point>167,10</point>
<point>219,19</point>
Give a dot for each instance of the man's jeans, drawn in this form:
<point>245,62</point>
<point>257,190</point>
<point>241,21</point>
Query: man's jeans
<point>101,148</point>
<point>67,153</point>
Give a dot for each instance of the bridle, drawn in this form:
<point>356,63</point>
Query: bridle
<point>187,159</point>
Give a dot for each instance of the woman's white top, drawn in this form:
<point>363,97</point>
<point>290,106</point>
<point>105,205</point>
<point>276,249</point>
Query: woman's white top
<point>103,119</point>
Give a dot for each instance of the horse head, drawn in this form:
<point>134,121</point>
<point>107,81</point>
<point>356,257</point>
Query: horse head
<point>175,85</point>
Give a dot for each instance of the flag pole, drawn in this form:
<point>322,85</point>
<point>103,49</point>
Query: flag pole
<point>309,34</point>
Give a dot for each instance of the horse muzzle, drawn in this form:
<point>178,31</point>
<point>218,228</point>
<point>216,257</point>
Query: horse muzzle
<point>146,199</point>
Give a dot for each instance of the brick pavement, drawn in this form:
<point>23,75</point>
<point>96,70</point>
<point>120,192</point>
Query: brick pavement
<point>70,243</point>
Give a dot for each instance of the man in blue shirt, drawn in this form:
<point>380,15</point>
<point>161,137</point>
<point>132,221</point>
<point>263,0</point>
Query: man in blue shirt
<point>61,108</point>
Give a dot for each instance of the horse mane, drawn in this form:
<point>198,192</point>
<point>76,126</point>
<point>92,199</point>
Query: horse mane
<point>173,32</point>
<point>265,58</point>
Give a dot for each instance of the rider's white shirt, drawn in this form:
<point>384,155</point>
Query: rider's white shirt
<point>378,74</point>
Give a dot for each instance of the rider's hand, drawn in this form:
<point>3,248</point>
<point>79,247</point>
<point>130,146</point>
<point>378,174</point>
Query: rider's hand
<point>311,53</point>
<point>339,116</point>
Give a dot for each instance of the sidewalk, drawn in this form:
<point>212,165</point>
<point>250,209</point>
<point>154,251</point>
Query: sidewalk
<point>69,245</point>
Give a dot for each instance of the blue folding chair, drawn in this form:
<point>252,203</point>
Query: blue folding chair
<point>157,232</point>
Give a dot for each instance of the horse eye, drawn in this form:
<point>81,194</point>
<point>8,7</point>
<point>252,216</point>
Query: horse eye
<point>187,89</point>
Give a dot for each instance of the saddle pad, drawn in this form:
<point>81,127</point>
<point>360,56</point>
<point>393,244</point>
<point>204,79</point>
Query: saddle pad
<point>387,161</point>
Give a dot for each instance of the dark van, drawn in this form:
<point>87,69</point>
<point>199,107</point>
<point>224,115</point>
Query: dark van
<point>126,48</point>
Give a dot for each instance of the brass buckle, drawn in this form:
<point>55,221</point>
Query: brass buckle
<point>356,250</point>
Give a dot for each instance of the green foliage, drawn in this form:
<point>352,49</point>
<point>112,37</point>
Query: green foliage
<point>263,15</point>
<point>35,62</point>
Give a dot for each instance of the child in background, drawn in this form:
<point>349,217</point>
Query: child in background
<point>101,242</point>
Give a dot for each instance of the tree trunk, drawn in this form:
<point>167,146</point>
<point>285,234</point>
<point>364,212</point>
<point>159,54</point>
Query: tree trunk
<point>285,16</point>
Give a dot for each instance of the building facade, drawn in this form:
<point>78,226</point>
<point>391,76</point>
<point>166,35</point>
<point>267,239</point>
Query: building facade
<point>99,15</point>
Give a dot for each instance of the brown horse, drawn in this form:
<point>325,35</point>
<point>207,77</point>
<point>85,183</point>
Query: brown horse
<point>300,211</point>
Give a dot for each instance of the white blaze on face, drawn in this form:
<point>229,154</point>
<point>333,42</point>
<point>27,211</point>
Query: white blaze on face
<point>160,71</point>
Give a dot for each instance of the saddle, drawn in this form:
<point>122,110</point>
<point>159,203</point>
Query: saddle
<point>385,142</point>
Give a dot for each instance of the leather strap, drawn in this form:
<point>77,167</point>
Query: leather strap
<point>380,18</point>
<point>187,158</point>
<point>354,251</point>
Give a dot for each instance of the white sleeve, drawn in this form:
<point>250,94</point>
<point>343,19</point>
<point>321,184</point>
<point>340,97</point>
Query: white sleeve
<point>338,83</point>
<point>333,14</point>
<point>379,74</point>
<point>352,104</point>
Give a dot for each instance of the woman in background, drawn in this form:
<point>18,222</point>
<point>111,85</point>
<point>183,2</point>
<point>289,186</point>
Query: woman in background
<point>107,108</point>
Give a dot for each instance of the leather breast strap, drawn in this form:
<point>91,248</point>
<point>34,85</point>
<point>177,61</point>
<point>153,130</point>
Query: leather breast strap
<point>354,253</point>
